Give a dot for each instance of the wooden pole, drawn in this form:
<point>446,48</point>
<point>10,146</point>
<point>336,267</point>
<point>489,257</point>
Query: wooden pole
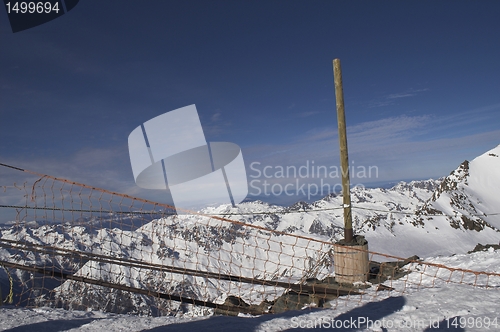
<point>344,161</point>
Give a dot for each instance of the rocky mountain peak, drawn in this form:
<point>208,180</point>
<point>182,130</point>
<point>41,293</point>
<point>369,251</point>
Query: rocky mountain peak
<point>469,195</point>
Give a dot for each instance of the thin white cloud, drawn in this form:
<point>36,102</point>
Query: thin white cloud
<point>317,134</point>
<point>400,95</point>
<point>92,157</point>
<point>385,131</point>
<point>391,98</point>
<point>106,168</point>
<point>217,125</point>
<point>382,131</point>
<point>408,93</point>
<point>403,147</point>
<point>216,116</point>
<point>308,114</point>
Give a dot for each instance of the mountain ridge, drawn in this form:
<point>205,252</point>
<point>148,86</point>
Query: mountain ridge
<point>427,218</point>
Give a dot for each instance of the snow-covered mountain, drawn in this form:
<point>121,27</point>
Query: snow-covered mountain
<point>469,196</point>
<point>462,211</point>
<point>424,218</point>
<point>439,306</point>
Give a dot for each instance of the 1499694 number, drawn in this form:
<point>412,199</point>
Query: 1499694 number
<point>32,7</point>
<point>472,322</point>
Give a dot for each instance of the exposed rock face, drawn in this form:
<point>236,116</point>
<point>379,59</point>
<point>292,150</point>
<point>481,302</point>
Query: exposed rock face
<point>469,197</point>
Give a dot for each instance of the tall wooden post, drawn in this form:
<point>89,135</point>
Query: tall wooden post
<point>344,161</point>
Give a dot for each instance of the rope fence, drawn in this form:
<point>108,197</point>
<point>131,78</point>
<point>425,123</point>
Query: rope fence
<point>80,247</point>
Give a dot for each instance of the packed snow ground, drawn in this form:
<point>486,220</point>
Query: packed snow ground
<point>434,305</point>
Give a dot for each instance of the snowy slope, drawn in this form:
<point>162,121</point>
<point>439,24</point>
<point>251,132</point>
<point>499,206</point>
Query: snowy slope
<point>424,309</point>
<point>426,218</point>
<point>470,194</point>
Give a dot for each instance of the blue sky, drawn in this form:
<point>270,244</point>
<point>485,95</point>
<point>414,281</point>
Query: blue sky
<point>421,85</point>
